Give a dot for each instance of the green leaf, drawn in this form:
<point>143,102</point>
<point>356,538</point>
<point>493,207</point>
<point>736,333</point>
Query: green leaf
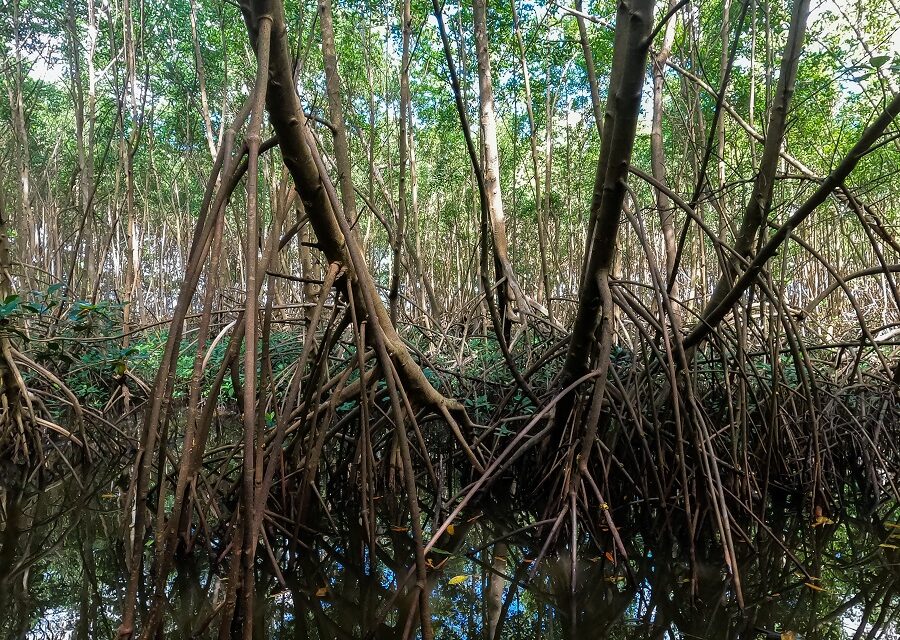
<point>11,304</point>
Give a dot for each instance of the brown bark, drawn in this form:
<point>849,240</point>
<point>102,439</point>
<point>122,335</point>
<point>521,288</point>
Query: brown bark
<point>633,27</point>
<point>494,596</point>
<point>201,81</point>
<point>541,215</point>
<point>657,150</point>
<point>299,157</point>
<point>510,300</point>
<point>402,206</point>
<point>720,121</point>
<point>760,201</point>
<point>714,315</point>
<point>596,109</point>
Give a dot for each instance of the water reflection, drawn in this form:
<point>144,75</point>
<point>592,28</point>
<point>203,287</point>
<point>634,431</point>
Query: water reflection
<point>62,575</point>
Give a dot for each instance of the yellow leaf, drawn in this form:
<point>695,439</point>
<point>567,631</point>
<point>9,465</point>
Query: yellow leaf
<point>609,556</point>
<point>321,592</point>
<point>821,521</point>
<point>889,546</point>
<point>458,579</point>
<point>450,529</point>
<point>109,496</point>
<point>788,635</point>
<point>814,587</point>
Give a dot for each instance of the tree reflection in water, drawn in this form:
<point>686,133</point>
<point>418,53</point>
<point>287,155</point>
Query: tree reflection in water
<point>62,576</point>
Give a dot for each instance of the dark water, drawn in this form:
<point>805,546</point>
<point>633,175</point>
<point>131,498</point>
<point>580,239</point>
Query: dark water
<point>62,575</point>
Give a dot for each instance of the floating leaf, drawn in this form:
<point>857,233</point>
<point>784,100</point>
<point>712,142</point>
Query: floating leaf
<point>609,556</point>
<point>450,529</point>
<point>788,635</point>
<point>458,579</point>
<point>321,592</point>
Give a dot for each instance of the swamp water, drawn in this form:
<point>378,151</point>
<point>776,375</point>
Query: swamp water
<point>62,575</point>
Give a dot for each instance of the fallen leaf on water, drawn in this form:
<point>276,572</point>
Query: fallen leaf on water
<point>450,529</point>
<point>814,587</point>
<point>458,579</point>
<point>788,635</point>
<point>609,556</point>
<point>321,592</point>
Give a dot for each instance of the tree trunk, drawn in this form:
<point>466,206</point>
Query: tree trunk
<point>399,229</point>
<point>496,584</point>
<point>633,26</point>
<point>541,215</point>
<point>510,300</point>
<point>658,156</point>
<point>760,201</point>
<point>299,157</point>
